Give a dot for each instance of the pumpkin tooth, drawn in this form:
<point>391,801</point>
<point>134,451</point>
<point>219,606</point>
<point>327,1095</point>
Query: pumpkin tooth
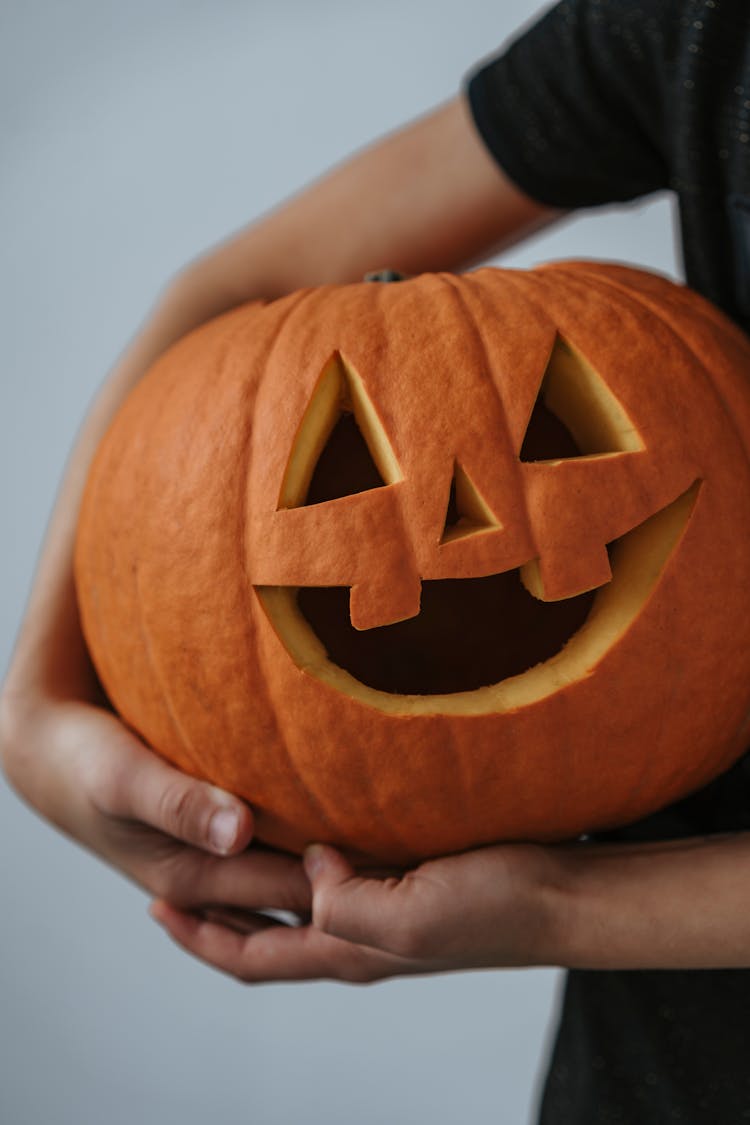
<point>552,577</point>
<point>373,604</point>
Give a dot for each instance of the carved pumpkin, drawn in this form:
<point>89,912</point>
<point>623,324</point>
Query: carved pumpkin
<point>554,462</point>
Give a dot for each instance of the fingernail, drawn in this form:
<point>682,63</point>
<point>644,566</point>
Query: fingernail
<point>220,797</point>
<point>312,861</point>
<point>222,829</point>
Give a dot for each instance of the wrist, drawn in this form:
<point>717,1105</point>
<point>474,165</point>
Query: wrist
<point>554,910</point>
<point>574,936</point>
<point>605,908</point>
<point>673,904</point>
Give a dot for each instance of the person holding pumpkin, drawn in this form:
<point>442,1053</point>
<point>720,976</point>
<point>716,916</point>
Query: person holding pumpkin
<point>599,102</point>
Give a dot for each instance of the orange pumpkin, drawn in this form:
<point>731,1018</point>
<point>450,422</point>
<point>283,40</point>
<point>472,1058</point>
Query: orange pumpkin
<point>555,462</point>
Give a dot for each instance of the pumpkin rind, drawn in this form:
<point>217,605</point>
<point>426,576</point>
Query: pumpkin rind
<point>185,524</point>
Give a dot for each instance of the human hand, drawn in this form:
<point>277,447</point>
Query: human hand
<point>496,906</point>
<point>84,770</point>
<point>586,905</point>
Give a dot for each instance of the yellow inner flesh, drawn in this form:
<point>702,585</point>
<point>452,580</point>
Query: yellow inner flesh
<point>340,388</point>
<point>475,514</point>
<point>580,398</point>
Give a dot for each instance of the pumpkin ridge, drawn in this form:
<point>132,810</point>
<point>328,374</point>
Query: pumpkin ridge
<point>296,775</point>
<point>307,781</point>
<point>234,321</point>
<point>387,824</point>
<point>247,463</point>
<point>95,623</point>
<point>187,745</point>
<point>511,277</point>
<point>341,834</point>
<point>249,595</point>
<point>639,297</point>
<point>457,284</point>
<point>383,294</point>
<point>462,802</point>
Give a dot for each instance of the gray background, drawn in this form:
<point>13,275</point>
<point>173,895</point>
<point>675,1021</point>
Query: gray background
<point>132,136</point>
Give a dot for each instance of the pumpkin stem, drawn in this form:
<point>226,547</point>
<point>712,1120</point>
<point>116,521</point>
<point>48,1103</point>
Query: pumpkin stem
<point>385,275</point>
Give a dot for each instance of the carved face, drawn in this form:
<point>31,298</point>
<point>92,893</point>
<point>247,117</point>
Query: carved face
<point>463,628</point>
<point>437,563</point>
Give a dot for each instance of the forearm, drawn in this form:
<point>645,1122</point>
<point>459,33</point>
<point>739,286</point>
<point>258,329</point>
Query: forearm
<point>682,904</point>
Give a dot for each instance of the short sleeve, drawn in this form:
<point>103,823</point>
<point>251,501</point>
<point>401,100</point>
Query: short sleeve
<point>573,110</point>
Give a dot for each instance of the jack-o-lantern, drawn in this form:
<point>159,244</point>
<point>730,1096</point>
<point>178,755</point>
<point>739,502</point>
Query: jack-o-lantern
<point>421,566</point>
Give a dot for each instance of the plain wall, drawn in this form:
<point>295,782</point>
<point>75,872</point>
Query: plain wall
<point>133,135</point>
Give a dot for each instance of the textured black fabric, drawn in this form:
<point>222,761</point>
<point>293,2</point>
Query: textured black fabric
<point>605,101</point>
<point>651,1048</point>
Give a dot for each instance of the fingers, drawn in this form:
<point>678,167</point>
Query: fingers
<point>271,952</point>
<point>258,879</point>
<point>363,929</point>
<point>132,782</point>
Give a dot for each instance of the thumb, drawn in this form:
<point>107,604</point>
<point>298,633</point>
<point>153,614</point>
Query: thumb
<point>132,782</point>
<point>326,868</point>
<point>349,906</point>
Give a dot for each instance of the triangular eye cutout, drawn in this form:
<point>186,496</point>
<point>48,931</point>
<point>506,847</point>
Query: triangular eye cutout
<point>340,447</point>
<point>575,413</point>
<point>468,512</point>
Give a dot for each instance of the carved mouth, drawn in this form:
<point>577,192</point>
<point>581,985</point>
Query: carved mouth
<point>470,632</point>
<point>478,645</point>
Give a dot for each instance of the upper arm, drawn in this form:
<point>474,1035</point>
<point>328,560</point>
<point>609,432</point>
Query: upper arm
<point>577,108</point>
<point>425,197</point>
